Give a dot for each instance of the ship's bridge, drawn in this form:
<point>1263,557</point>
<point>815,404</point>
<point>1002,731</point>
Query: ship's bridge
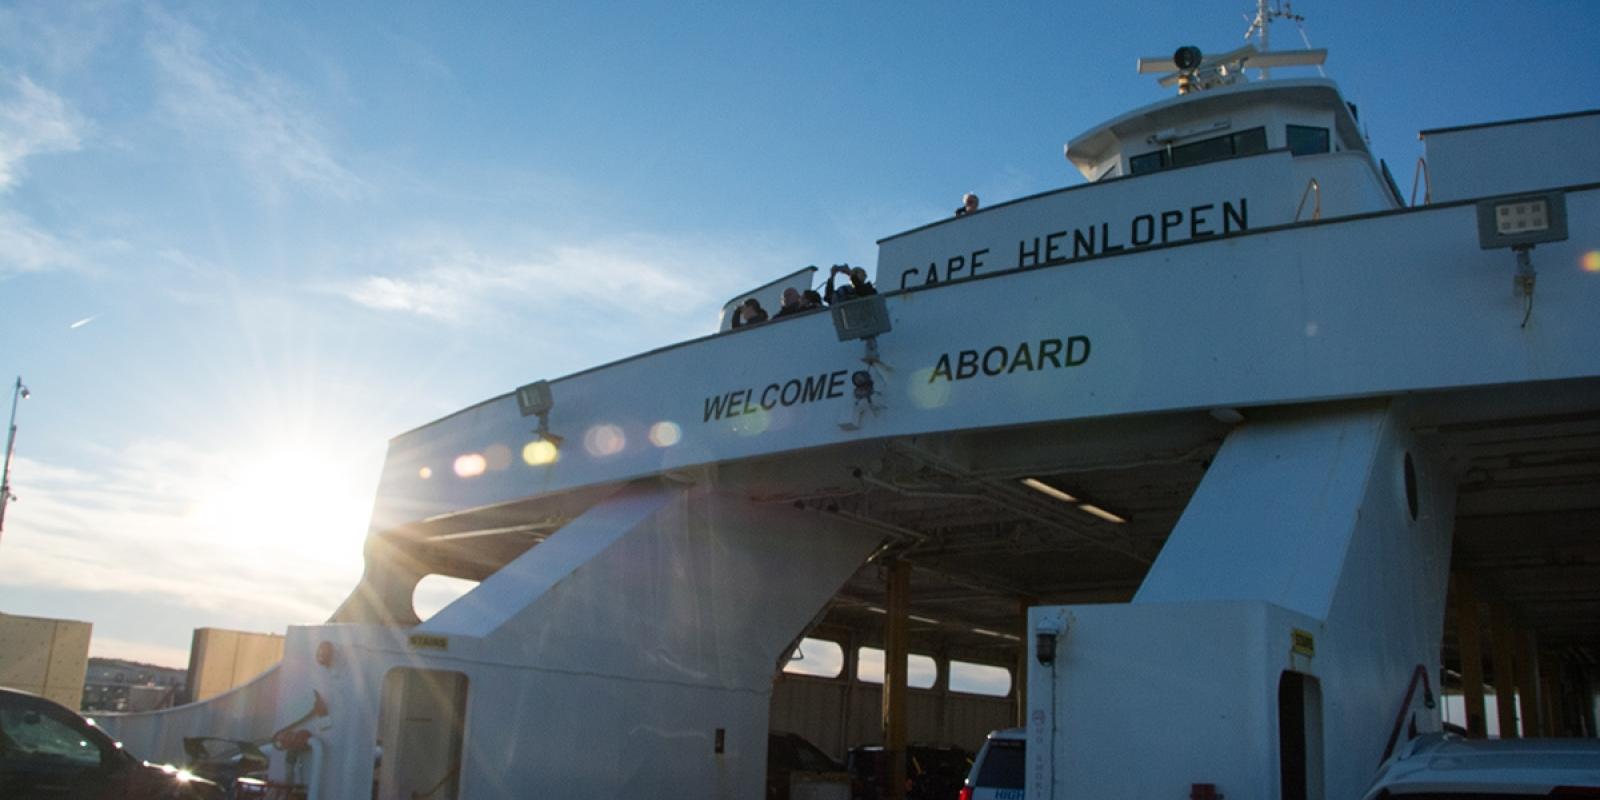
<point>1305,116</point>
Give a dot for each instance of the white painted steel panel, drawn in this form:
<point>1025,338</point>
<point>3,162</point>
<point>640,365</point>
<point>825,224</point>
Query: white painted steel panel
<point>1301,508</point>
<point>1381,305</point>
<point>1486,160</point>
<point>612,677</point>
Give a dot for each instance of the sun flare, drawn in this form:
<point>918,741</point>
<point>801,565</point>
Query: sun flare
<point>296,498</point>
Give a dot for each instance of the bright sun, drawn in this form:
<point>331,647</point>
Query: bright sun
<point>295,498</point>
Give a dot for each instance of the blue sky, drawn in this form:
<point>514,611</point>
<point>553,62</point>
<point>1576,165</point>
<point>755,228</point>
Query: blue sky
<point>242,244</point>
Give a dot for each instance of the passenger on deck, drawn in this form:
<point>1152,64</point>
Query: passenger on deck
<point>858,286</point>
<point>969,204</point>
<point>810,300</point>
<point>749,314</point>
<point>791,303</point>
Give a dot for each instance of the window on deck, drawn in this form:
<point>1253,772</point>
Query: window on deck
<point>1243,143</point>
<point>1305,140</point>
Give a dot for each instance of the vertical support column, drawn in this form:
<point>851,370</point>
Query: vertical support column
<point>1019,678</point>
<point>941,690</point>
<point>1469,638</point>
<point>847,702</point>
<point>1550,694</point>
<point>894,678</point>
<point>1528,685</point>
<point>1505,668</point>
<point>1586,702</point>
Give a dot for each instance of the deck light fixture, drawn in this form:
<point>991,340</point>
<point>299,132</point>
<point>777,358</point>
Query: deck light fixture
<point>1090,508</point>
<point>1066,497</point>
<point>862,318</point>
<point>1520,222</point>
<point>1045,636</point>
<point>1048,490</point>
<point>536,400</point>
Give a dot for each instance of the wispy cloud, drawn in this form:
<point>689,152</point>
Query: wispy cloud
<point>163,519</point>
<point>61,37</point>
<point>220,96</point>
<point>33,120</point>
<point>462,284</point>
<point>25,247</point>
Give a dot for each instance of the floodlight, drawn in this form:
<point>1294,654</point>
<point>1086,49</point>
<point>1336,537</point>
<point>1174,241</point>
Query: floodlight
<point>1522,221</point>
<point>535,399</point>
<point>862,318</point>
<point>1519,222</point>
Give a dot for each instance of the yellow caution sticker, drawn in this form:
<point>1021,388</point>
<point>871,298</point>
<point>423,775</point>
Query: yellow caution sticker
<point>424,642</point>
<point>1302,643</point>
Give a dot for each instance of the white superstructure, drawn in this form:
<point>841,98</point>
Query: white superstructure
<point>1236,343</point>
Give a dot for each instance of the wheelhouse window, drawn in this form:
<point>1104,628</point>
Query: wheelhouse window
<point>1149,162</point>
<point>1305,140</point>
<point>1217,148</point>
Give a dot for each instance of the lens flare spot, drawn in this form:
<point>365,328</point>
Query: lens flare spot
<point>753,422</point>
<point>1591,261</point>
<point>497,456</point>
<point>665,433</point>
<point>604,440</point>
<point>927,392</point>
<point>539,453</point>
<point>1312,329</point>
<point>425,473</point>
<point>471,465</point>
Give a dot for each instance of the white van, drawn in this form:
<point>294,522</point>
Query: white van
<point>998,771</point>
<point>1446,767</point>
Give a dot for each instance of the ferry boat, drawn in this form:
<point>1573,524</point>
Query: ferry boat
<point>1233,458</point>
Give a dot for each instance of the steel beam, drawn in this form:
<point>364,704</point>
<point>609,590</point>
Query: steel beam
<point>1469,640</point>
<point>1504,634</point>
<point>894,677</point>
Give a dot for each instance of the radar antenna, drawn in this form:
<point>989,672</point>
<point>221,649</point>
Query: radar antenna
<point>1192,71</point>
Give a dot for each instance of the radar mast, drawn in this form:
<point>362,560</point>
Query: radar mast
<point>1191,71</point>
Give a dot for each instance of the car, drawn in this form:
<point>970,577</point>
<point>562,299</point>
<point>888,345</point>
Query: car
<point>932,772</point>
<point>1445,766</point>
<point>50,752</point>
<point>998,771</point>
<point>799,770</point>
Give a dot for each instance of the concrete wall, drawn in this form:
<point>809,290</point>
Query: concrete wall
<point>220,659</point>
<point>45,656</point>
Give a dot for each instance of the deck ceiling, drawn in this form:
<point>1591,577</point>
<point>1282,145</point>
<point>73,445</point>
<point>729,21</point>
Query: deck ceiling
<point>983,546</point>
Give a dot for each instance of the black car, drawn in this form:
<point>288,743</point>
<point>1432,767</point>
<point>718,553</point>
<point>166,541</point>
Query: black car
<point>932,773</point>
<point>49,752</point>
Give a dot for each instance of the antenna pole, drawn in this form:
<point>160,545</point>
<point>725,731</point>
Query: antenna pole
<point>1263,22</point>
<point>17,392</point>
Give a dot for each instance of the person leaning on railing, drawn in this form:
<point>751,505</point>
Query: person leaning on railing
<point>750,313</point>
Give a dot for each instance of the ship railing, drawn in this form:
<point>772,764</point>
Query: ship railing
<point>1313,189</point>
<point>1421,174</point>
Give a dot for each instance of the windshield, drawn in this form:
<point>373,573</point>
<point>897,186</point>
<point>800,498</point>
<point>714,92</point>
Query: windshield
<point>1002,765</point>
